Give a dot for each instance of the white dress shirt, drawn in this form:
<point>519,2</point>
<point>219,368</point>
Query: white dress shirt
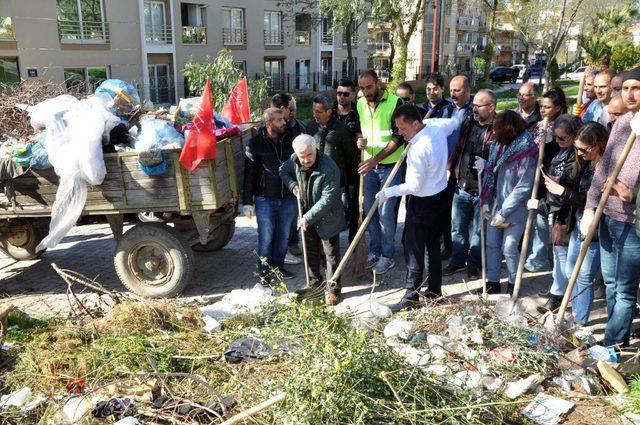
<point>426,164</point>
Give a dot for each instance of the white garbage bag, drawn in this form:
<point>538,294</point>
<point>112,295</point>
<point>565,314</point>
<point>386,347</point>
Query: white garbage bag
<point>74,144</point>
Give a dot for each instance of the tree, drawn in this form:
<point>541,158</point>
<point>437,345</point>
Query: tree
<point>624,56</point>
<point>492,6</point>
<point>224,75</point>
<point>404,16</point>
<point>346,16</point>
<point>526,17</point>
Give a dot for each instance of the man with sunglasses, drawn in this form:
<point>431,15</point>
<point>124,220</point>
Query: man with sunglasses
<point>344,110</point>
<point>467,158</point>
<point>405,92</point>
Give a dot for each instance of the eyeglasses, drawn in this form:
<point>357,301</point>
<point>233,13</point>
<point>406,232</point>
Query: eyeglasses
<point>563,138</point>
<point>406,99</point>
<point>583,151</point>
<point>343,93</point>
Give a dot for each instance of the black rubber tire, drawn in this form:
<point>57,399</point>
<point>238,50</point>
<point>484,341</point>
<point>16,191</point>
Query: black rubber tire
<point>222,236</point>
<point>514,80</point>
<point>36,231</point>
<point>159,239</point>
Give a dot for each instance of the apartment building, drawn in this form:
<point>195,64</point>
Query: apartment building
<point>148,42</point>
<point>509,50</point>
<point>464,35</point>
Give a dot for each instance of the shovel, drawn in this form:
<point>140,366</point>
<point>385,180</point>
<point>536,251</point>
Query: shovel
<point>361,250</point>
<point>483,252</point>
<point>333,279</point>
<point>304,241</point>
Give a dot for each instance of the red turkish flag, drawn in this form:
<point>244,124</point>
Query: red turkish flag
<point>237,108</point>
<point>201,141</point>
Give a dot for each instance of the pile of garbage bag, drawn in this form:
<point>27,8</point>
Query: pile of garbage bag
<point>71,135</point>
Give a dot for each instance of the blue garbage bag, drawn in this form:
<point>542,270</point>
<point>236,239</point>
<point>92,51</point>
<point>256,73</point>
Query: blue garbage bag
<point>113,86</point>
<point>157,134</point>
<point>39,156</point>
<point>158,169</point>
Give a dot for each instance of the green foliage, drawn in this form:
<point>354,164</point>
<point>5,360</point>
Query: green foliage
<point>224,75</point>
<point>553,73</point>
<point>478,62</point>
<point>633,397</point>
<point>624,56</point>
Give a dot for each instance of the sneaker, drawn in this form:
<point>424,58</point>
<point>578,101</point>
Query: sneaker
<point>383,265</point>
<point>493,288</point>
<point>410,300</point>
<point>292,259</point>
<point>295,250</point>
<point>552,304</point>
<point>451,269</point>
<point>286,274</point>
<point>372,259</point>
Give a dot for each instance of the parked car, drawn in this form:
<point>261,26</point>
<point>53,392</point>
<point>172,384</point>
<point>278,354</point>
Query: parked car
<point>503,73</point>
<point>521,69</point>
<point>577,74</point>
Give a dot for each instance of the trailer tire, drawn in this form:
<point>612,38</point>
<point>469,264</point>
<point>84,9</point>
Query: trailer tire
<point>153,260</point>
<point>221,237</point>
<point>22,245</point>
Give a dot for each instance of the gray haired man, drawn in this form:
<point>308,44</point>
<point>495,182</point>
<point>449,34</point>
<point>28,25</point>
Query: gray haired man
<point>313,177</point>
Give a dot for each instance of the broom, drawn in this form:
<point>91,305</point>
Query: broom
<point>359,262</point>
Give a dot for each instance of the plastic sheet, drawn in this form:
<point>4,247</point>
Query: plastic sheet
<point>113,86</point>
<point>158,134</point>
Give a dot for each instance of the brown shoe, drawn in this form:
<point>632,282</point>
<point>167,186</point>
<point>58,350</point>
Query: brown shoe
<point>332,297</point>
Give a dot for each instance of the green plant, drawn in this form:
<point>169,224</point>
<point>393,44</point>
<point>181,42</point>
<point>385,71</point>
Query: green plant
<point>553,73</point>
<point>224,73</point>
<point>624,56</point>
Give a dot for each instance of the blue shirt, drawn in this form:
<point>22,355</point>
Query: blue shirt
<point>461,114</point>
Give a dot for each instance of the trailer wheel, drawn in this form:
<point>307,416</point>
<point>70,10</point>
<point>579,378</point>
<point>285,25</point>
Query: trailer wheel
<point>22,242</point>
<point>153,260</point>
<point>221,237</point>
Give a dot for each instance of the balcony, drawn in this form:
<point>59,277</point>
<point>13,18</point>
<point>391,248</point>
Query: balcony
<point>158,34</point>
<point>83,32</point>
<point>303,38</point>
<point>6,29</point>
<point>380,47</point>
<point>273,38</point>
<point>326,39</point>
<point>355,39</point>
<point>194,35</point>
<point>234,37</point>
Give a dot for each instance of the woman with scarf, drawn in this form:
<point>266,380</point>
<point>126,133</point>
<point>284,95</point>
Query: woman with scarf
<point>557,176</point>
<point>552,105</point>
<point>506,188</point>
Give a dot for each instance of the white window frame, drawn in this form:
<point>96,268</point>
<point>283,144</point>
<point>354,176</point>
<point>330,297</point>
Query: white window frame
<point>81,21</point>
<point>150,35</point>
<point>269,39</point>
<point>228,25</point>
<point>155,67</point>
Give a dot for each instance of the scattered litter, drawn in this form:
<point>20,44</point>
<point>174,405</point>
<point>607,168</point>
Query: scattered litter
<point>15,399</point>
<point>210,324</point>
<point>400,328</point>
<point>239,302</point>
<point>129,420</point>
<point>612,377</point>
<point>547,410</point>
<point>598,352</point>
<point>504,354</point>
<point>379,310</point>
<point>114,407</point>
<point>491,383</point>
<point>250,348</point>
<point>76,408</point>
<point>202,412</point>
<point>517,388</point>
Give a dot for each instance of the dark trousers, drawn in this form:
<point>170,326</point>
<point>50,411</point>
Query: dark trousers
<point>424,225</point>
<point>446,232</point>
<point>331,249</point>
<point>351,196</point>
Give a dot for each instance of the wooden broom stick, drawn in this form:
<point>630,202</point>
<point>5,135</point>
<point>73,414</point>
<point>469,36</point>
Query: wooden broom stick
<point>592,229</point>
<point>255,409</point>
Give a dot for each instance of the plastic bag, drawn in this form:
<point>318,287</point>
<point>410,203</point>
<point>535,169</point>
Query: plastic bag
<point>156,169</point>
<point>158,134</point>
<point>39,156</point>
<point>74,144</point>
<point>46,110</point>
<point>113,86</point>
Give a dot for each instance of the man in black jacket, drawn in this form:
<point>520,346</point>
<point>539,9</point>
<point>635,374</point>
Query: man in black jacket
<point>275,207</point>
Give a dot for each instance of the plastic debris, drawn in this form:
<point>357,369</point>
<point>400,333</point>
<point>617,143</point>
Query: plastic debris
<point>491,383</point>
<point>238,302</point>
<point>77,408</point>
<point>114,407</point>
<point>504,354</point>
<point>15,399</point>
<point>412,355</point>
<point>380,310</point>
<point>598,352</point>
<point>129,420</point>
<point>547,410</point>
<point>612,377</point>
<point>517,388</point>
<point>400,328</point>
<point>250,348</point>
<point>158,134</point>
<point>468,380</point>
<point>211,325</point>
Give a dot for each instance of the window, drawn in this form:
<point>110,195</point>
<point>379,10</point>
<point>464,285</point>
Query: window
<point>242,66</point>
<point>303,29</point>
<point>194,18</point>
<point>155,28</point>
<point>6,28</point>
<point>303,74</point>
<point>326,36</point>
<point>272,28</point>
<point>346,72</point>
<point>160,87</point>
<point>85,79</point>
<point>273,69</point>
<point>233,29</point>
<point>383,41</point>
<point>9,70</point>
<point>82,20</point>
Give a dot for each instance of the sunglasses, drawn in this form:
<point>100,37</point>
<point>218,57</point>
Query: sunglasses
<point>584,151</point>
<point>406,99</point>
<point>343,93</point>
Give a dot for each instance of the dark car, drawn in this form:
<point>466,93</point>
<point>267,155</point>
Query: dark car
<point>504,73</point>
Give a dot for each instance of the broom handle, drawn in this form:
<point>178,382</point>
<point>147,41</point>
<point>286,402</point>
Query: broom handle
<point>483,252</point>
<point>580,90</point>
<point>532,213</point>
<point>304,241</point>
<point>367,219</point>
<point>592,229</point>
<point>361,192</point>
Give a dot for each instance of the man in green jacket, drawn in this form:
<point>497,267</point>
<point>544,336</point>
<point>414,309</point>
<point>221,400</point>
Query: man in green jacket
<point>315,179</point>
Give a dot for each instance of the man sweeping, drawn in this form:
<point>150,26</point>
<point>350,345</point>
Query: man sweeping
<point>425,184</point>
<point>315,178</point>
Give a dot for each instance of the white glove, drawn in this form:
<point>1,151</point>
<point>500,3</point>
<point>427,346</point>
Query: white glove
<point>484,212</point>
<point>635,123</point>
<point>498,221</point>
<point>533,204</point>
<point>249,211</point>
<point>585,221</point>
<point>479,164</point>
<point>382,197</point>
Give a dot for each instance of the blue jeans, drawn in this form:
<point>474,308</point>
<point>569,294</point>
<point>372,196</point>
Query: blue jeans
<point>503,242</point>
<point>274,218</point>
<point>560,278</point>
<point>538,258</point>
<point>583,290</point>
<point>466,248</point>
<point>382,229</point>
<point>620,260</point>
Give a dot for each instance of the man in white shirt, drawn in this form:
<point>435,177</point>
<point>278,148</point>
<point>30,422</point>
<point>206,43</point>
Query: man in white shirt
<point>424,186</point>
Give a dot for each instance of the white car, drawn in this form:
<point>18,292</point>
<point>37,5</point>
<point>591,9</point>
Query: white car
<point>577,74</point>
<point>521,68</point>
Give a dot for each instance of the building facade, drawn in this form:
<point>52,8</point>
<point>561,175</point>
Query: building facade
<point>148,43</point>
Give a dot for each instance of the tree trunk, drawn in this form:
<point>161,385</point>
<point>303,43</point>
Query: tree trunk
<point>399,73</point>
<point>349,35</point>
<point>526,54</point>
<point>491,35</point>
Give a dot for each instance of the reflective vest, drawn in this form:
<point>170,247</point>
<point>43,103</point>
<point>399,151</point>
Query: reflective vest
<point>376,126</point>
